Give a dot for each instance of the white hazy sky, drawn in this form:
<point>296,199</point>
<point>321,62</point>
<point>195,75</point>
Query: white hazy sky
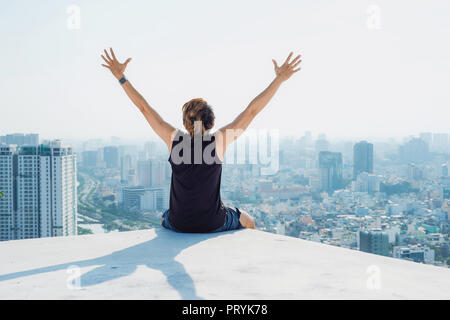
<point>355,82</point>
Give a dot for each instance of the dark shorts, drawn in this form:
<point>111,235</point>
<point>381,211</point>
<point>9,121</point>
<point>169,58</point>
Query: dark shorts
<point>231,221</point>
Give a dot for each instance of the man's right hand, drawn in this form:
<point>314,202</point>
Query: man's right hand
<point>116,68</point>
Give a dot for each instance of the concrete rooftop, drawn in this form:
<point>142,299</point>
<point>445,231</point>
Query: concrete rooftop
<point>245,264</point>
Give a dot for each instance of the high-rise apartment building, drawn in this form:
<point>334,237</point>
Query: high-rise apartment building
<point>126,164</point>
<point>7,205</point>
<point>41,195</point>
<point>111,157</point>
<point>330,166</point>
<point>362,158</point>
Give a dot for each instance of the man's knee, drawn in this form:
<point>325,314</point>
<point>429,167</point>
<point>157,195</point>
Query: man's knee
<point>246,220</point>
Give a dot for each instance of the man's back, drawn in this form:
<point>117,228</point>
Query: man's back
<point>195,203</point>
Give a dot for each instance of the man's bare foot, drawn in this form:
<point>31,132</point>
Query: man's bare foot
<point>246,220</point>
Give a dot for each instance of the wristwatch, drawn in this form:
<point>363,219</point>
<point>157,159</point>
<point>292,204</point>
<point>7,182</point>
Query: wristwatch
<point>123,80</point>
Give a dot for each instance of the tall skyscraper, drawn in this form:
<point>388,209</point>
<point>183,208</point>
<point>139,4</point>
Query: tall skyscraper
<point>111,157</point>
<point>7,188</point>
<point>144,172</point>
<point>330,166</point>
<point>362,158</point>
<point>41,195</point>
<point>126,164</point>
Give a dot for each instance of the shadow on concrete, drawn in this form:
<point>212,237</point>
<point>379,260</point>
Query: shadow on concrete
<point>158,253</point>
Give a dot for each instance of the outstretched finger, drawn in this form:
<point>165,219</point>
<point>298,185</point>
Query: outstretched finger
<point>296,64</point>
<point>288,58</point>
<point>112,54</point>
<point>275,64</point>
<point>126,62</point>
<point>295,70</point>
<point>107,56</point>
<point>296,59</point>
<point>107,62</point>
<point>106,66</point>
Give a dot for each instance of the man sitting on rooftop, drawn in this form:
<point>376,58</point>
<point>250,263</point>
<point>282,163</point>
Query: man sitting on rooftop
<point>196,156</point>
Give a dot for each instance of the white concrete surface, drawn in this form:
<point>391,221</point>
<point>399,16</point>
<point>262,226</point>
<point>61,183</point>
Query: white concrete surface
<point>246,264</point>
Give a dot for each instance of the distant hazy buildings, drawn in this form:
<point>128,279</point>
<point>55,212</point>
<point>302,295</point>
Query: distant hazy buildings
<point>126,164</point>
<point>150,149</point>
<point>437,142</point>
<point>305,141</point>
<point>322,145</point>
<point>330,167</point>
<point>375,241</point>
<point>415,173</point>
<point>20,139</point>
<point>444,170</point>
<point>427,137</point>
<point>152,173</point>
<point>90,159</point>
<point>416,150</point>
<point>362,158</point>
<point>111,157</point>
<point>369,183</point>
<point>441,142</point>
<point>39,183</point>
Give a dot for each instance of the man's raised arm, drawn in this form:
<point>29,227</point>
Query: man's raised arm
<point>163,129</point>
<point>226,135</point>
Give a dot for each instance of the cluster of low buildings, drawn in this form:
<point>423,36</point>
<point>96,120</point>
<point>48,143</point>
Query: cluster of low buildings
<point>385,205</point>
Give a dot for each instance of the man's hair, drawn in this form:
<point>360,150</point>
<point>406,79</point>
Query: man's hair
<point>197,110</point>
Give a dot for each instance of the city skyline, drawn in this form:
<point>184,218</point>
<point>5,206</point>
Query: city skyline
<point>393,204</point>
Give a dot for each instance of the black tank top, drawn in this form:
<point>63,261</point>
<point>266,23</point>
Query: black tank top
<point>195,203</point>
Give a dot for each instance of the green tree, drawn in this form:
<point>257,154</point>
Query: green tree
<point>82,231</point>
